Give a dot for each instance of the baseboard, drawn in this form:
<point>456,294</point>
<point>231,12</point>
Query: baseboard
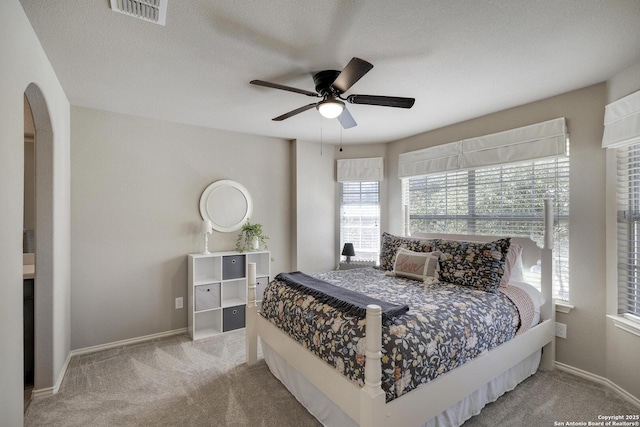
<point>600,380</point>
<point>48,391</point>
<point>129,341</point>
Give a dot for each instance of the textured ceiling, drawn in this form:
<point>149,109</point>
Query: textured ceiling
<point>460,59</point>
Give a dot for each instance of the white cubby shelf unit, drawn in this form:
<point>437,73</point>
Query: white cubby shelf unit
<point>217,290</point>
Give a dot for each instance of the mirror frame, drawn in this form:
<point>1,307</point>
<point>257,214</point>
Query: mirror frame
<point>205,209</point>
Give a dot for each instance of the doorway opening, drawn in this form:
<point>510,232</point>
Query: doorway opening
<point>37,243</point>
<point>28,250</point>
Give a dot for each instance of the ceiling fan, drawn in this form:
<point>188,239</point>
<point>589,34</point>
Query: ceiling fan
<point>330,86</point>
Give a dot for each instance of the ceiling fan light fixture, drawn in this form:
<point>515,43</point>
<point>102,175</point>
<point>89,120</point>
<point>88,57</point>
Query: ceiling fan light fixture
<point>330,108</point>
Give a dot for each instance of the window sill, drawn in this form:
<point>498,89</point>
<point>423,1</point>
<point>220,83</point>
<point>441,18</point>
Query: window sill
<point>355,264</point>
<point>631,326</point>
<point>564,307</point>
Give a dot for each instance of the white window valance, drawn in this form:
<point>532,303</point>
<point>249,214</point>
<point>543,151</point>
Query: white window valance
<point>360,170</point>
<point>534,142</point>
<point>622,122</point>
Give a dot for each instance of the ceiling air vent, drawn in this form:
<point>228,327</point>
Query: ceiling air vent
<point>148,10</point>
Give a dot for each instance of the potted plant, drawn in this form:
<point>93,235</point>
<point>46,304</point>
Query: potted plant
<point>251,238</point>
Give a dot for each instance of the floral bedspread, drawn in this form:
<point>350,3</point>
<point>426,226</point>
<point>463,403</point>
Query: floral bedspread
<point>446,326</point>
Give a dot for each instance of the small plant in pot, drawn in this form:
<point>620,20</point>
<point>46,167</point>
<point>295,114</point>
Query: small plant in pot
<point>251,238</point>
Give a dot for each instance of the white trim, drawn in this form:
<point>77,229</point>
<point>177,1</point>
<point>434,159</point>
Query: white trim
<point>136,340</point>
<point>626,324</point>
<point>564,307</point>
<point>48,391</point>
<point>600,380</point>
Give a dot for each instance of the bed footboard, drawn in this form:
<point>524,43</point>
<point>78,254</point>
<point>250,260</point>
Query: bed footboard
<point>251,340</point>
<point>372,397</point>
<point>366,405</point>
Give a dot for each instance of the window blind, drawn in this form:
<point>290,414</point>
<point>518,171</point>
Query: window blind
<point>360,219</point>
<point>368,169</point>
<point>628,207</point>
<point>506,200</point>
<point>537,141</point>
<point>622,122</point>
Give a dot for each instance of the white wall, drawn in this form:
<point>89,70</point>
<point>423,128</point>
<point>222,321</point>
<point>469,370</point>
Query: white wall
<point>24,62</point>
<point>136,185</point>
<point>584,111</point>
<point>622,347</point>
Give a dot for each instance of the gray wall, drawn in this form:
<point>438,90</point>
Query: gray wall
<point>136,185</point>
<point>313,245</point>
<point>23,63</point>
<point>29,169</point>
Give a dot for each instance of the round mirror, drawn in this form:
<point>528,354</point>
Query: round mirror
<point>227,204</point>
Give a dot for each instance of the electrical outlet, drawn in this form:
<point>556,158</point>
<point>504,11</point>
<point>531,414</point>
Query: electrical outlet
<point>179,303</point>
<point>561,330</point>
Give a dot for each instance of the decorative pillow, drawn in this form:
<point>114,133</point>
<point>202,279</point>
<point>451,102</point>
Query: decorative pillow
<point>415,265</point>
<point>513,266</point>
<point>390,244</point>
<point>474,264</point>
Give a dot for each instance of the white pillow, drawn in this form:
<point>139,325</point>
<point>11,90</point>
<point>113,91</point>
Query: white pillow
<point>534,294</point>
<point>415,265</point>
<point>513,270</point>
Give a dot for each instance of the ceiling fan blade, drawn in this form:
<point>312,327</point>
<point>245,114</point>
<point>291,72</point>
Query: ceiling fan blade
<point>355,69</point>
<point>346,119</point>
<point>283,87</point>
<point>386,101</point>
<point>294,112</point>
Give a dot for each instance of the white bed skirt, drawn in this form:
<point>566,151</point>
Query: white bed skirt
<point>332,416</point>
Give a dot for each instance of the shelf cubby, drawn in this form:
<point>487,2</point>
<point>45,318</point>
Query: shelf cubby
<point>217,290</point>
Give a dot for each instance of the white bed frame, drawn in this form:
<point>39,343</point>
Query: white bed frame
<point>366,405</point>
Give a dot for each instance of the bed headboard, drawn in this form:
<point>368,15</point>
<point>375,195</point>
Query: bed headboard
<point>531,254</point>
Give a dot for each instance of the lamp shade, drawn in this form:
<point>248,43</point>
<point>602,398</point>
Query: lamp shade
<point>330,108</point>
<point>348,250</point>
<point>205,227</point>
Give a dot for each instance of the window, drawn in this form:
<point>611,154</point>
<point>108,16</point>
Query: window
<point>360,219</point>
<point>622,134</point>
<point>505,200</point>
<point>628,189</point>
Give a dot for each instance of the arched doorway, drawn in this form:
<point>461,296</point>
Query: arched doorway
<point>44,226</point>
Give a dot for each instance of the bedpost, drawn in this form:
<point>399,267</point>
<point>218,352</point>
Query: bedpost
<point>372,398</point>
<point>251,345</point>
<point>549,309</point>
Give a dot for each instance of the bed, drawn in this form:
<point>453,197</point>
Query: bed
<point>366,387</point>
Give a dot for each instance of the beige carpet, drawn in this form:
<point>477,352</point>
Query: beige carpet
<point>549,398</point>
<point>177,382</point>
<point>170,382</point>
